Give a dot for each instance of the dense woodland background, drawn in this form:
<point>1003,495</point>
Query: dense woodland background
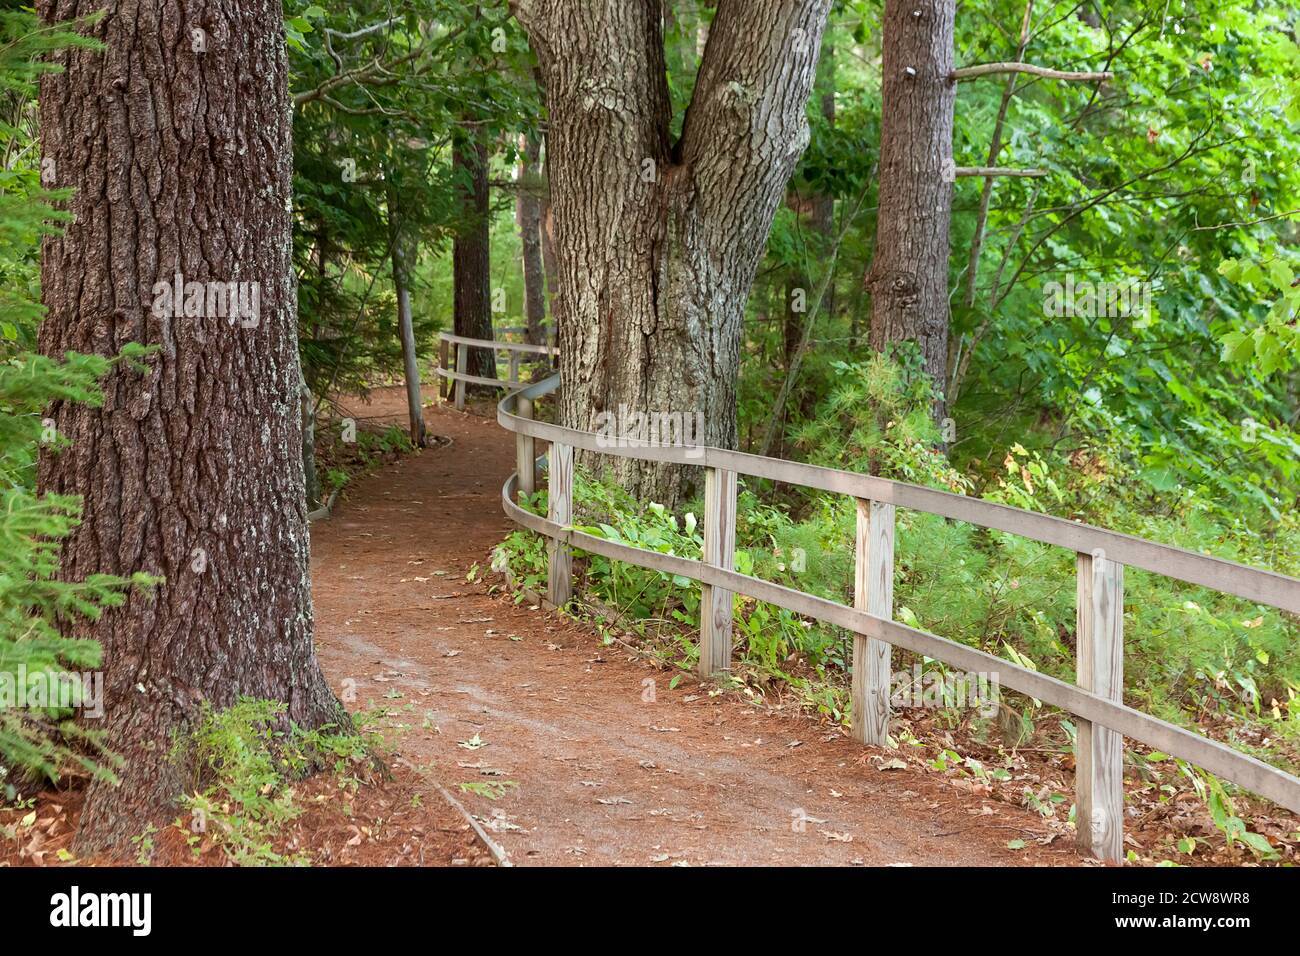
<point>423,196</point>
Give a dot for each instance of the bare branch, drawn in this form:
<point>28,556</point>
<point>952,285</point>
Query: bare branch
<point>376,74</point>
<point>999,171</point>
<point>993,69</point>
<point>1248,222</point>
<point>364,31</point>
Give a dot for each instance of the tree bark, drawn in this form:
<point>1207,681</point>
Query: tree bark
<point>192,470</point>
<point>310,477</point>
<point>528,217</point>
<point>658,241</point>
<point>551,266</point>
<point>406,328</point>
<point>471,259</point>
<point>908,278</point>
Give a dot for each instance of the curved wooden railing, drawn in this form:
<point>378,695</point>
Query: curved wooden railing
<point>1097,697</point>
<point>458,377</point>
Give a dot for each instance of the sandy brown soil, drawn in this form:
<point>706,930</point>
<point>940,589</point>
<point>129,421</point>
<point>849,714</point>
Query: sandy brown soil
<point>493,692</point>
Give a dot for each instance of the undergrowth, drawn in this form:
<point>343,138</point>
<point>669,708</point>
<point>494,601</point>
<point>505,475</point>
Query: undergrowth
<point>247,763</point>
<point>1193,656</point>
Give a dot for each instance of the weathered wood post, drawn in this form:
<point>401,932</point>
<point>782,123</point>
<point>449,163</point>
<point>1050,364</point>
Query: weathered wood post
<point>873,592</point>
<point>514,366</point>
<point>1099,751</point>
<point>524,453</point>
<point>462,363</point>
<point>444,363</point>
<point>719,550</point>
<point>559,493</point>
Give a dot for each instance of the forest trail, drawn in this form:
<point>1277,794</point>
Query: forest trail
<point>504,692</point>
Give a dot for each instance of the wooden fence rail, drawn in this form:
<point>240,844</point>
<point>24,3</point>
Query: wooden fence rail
<point>457,376</point>
<point>1096,700</point>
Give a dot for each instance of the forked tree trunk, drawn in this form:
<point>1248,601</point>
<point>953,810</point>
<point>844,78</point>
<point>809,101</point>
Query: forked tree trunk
<point>178,146</point>
<point>471,264</point>
<point>658,241</point>
<point>908,278</point>
<point>528,217</point>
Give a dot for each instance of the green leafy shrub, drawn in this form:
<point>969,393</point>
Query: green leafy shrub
<point>246,763</point>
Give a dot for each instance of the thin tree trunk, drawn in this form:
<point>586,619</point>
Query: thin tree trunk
<point>405,324</point>
<point>995,149</point>
<point>908,278</point>
<point>658,241</point>
<point>528,217</point>
<point>471,260</point>
<point>550,264</point>
<point>311,479</point>
<point>192,470</point>
<point>818,211</point>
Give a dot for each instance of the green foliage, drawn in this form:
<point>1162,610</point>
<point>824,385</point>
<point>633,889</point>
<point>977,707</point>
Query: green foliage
<point>373,170</point>
<point>246,762</point>
<point>1192,654</point>
<point>877,418</point>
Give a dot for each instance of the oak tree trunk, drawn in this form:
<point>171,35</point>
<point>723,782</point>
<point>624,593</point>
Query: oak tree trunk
<point>176,139</point>
<point>658,241</point>
<point>471,265</point>
<point>908,278</point>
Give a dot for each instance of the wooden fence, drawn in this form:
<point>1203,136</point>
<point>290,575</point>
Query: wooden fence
<point>1095,699</point>
<point>454,378</point>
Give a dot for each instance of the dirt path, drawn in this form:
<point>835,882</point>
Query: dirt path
<point>499,692</point>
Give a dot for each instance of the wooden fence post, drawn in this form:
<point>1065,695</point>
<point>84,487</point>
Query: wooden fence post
<point>1099,751</point>
<point>559,493</point>
<point>525,456</point>
<point>873,592</point>
<point>719,550</point>
<point>462,364</point>
<point>514,366</point>
<point>444,363</point>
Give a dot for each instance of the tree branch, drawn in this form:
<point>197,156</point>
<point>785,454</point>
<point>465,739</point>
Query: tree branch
<point>995,148</point>
<point>364,31</point>
<point>376,74</point>
<point>993,69</point>
<point>989,171</point>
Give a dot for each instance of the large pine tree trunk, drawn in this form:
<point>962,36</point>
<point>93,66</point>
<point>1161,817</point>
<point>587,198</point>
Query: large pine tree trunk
<point>908,278</point>
<point>192,470</point>
<point>658,241</point>
<point>471,259</point>
<point>528,217</point>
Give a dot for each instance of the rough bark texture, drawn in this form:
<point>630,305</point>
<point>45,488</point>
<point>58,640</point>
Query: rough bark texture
<point>192,470</point>
<point>471,263</point>
<point>528,217</point>
<point>908,278</point>
<point>658,241</point>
